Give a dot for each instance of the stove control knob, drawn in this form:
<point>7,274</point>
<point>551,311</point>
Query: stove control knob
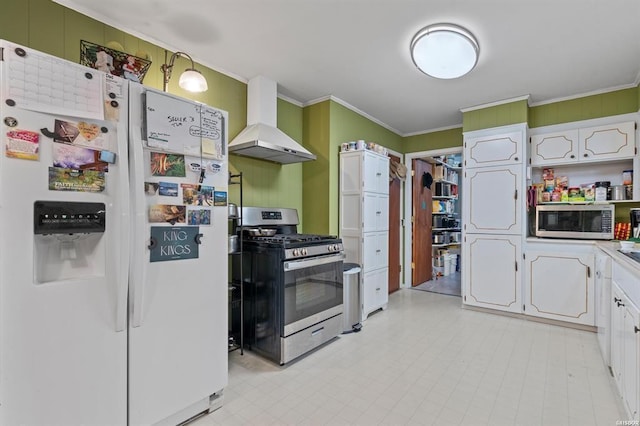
<point>330,247</point>
<point>337,247</point>
<point>304,252</point>
<point>295,252</point>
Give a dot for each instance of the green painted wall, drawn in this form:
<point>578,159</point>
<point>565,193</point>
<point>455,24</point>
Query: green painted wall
<point>585,108</point>
<point>326,126</point>
<point>442,139</point>
<point>495,116</point>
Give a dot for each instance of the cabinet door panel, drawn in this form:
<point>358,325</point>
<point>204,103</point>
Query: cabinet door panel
<point>613,141</point>
<point>494,150</point>
<point>370,209</point>
<point>493,200</point>
<point>554,148</point>
<point>376,173</point>
<point>491,271</point>
<point>382,213</point>
<point>560,286</point>
<point>631,360</point>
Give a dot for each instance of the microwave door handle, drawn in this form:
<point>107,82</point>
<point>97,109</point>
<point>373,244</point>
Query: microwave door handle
<point>316,261</point>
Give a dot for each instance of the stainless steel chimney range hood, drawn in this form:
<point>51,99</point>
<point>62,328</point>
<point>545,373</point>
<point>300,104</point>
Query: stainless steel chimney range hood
<point>261,138</point>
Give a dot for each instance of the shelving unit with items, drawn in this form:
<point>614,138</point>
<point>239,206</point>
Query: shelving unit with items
<point>236,287</point>
<point>445,219</point>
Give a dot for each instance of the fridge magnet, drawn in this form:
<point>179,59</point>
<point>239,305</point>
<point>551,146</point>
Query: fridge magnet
<point>88,135</point>
<point>151,188</point>
<point>167,165</point>
<point>174,243</point>
<point>219,198</point>
<point>191,195</point>
<point>207,195</point>
<point>114,62</point>
<point>161,213</point>
<point>168,189</point>
<point>76,180</point>
<point>198,216</point>
<point>22,144</point>
<point>76,157</point>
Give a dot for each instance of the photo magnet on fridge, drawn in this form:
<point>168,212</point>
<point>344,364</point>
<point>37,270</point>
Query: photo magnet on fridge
<point>198,216</point>
<point>151,188</point>
<point>82,133</point>
<point>167,165</point>
<point>77,157</point>
<point>161,213</point>
<point>168,189</point>
<point>219,198</point>
<point>76,180</point>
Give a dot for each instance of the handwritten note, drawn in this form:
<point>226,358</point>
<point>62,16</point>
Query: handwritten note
<point>184,127</point>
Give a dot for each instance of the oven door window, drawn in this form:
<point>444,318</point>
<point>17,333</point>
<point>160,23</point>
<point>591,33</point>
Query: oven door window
<point>311,290</point>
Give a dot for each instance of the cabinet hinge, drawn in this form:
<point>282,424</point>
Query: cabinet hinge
<point>411,219</point>
<point>524,257</point>
<point>1,53</point>
<point>515,197</point>
<point>413,265</point>
<point>529,160</point>
<point>465,298</point>
<point>635,126</point>
<point>636,329</point>
<point>529,140</point>
<point>589,271</point>
<point>400,268</point>
<point>413,172</point>
<point>524,308</point>
<point>636,148</point>
<point>516,266</point>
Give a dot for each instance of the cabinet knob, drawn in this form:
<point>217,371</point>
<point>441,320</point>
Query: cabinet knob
<point>516,159</point>
<point>620,304</point>
<point>636,329</point>
<point>616,300</point>
<point>585,155</point>
<point>573,156</point>
<point>378,251</point>
<point>378,289</point>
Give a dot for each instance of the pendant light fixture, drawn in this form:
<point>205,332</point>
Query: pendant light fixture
<point>444,51</point>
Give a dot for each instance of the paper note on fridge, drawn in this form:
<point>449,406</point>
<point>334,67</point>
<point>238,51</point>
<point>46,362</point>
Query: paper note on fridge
<point>184,127</point>
<point>40,82</point>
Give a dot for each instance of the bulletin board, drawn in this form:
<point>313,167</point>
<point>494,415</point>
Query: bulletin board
<point>184,127</point>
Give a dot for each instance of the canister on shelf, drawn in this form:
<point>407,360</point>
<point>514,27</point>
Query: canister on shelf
<point>627,177</point>
<point>601,190</point>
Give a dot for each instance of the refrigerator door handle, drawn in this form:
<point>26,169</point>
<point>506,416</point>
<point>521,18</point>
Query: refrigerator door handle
<point>124,243</point>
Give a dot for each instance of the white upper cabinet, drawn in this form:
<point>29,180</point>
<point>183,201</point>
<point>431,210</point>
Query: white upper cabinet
<point>554,148</point>
<point>615,141</point>
<point>375,173</point>
<point>493,200</point>
<point>588,144</point>
<point>493,150</point>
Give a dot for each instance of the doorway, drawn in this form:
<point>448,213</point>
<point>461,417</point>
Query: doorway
<point>432,243</point>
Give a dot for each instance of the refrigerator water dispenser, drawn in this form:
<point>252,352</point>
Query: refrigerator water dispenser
<point>68,241</point>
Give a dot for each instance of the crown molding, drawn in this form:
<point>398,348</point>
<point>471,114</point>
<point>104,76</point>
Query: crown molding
<point>496,103</point>
<point>584,95</point>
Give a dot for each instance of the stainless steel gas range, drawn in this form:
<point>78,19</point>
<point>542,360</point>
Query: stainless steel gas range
<point>293,285</point>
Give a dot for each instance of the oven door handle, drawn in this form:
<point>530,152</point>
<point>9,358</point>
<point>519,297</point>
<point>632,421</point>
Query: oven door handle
<point>307,263</point>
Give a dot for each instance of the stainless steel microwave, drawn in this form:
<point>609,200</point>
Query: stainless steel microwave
<point>580,221</point>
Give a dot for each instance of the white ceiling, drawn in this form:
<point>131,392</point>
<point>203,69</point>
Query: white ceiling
<point>358,50</point>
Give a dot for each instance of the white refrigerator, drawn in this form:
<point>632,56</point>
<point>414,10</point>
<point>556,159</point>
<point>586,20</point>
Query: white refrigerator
<point>113,264</point>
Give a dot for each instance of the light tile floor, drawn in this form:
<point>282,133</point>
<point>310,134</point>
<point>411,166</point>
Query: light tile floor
<point>426,361</point>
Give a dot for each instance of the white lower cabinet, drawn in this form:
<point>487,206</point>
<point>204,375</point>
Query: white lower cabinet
<point>492,278</point>
<point>625,341</point>
<point>375,291</point>
<point>560,286</point>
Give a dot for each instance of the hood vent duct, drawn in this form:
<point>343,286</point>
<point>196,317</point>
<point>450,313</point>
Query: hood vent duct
<point>261,138</point>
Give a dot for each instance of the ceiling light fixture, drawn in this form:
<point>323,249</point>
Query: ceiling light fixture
<point>444,51</point>
<point>191,79</point>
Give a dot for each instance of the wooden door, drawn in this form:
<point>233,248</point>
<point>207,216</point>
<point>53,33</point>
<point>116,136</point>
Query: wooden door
<point>394,231</point>
<point>421,227</point>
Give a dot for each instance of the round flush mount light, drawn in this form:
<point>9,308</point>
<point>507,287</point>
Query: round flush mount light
<point>444,51</point>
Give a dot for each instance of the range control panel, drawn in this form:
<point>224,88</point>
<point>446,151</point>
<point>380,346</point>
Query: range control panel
<point>57,217</point>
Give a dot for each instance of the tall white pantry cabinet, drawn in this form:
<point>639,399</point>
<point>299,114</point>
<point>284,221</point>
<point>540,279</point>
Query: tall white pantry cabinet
<point>493,217</point>
<point>364,223</point>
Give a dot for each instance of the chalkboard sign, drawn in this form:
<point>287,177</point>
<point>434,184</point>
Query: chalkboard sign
<point>174,243</point>
<point>184,127</point>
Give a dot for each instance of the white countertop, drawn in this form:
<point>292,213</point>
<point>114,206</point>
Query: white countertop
<point>612,247</point>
